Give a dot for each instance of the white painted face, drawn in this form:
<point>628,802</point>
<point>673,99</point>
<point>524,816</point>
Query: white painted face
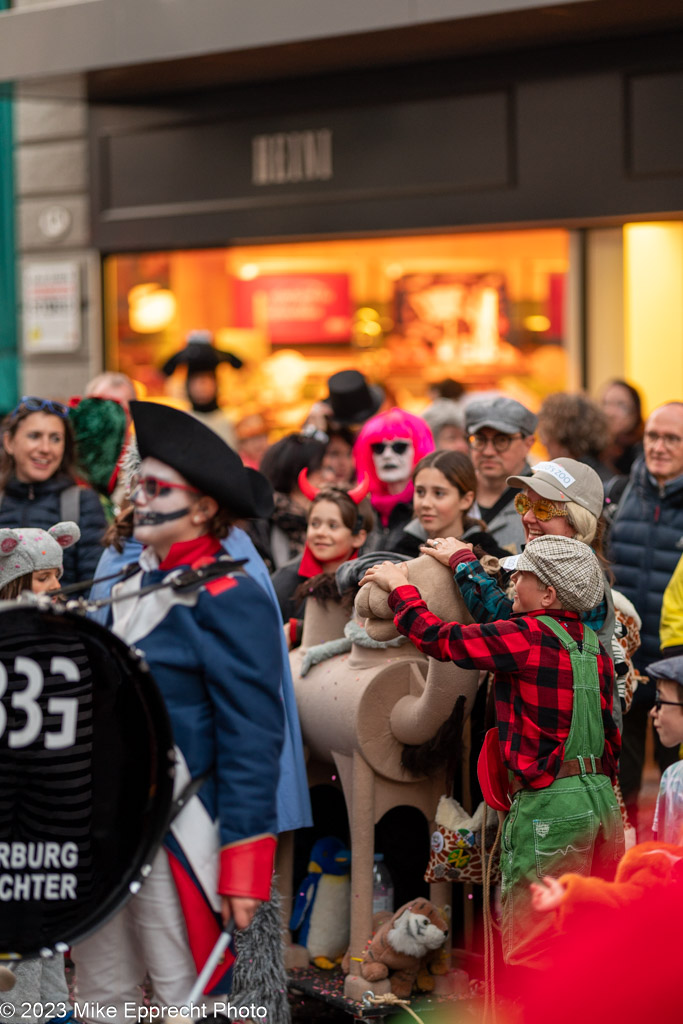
<point>393,459</point>
<point>173,502</point>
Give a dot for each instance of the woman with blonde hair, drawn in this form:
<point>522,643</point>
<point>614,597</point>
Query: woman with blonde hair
<point>563,497</point>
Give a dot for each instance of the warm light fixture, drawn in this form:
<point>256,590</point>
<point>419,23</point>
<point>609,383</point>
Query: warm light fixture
<point>248,272</point>
<point>537,323</point>
<point>150,308</point>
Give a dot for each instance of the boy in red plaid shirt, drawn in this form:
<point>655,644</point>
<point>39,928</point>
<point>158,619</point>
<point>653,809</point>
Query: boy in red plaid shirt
<point>553,696</point>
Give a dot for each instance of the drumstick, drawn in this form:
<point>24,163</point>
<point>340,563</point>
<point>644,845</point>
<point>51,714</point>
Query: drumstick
<point>211,964</point>
<point>7,979</point>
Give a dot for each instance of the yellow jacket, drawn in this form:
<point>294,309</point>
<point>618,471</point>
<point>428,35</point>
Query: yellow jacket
<point>671,622</point>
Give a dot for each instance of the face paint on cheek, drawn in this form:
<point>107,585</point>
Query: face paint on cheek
<point>392,466</point>
<point>156,518</point>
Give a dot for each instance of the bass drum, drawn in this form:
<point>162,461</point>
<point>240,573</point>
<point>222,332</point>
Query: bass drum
<point>86,777</point>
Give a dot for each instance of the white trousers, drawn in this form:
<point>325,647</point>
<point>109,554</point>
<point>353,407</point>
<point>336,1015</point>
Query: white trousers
<point>147,937</point>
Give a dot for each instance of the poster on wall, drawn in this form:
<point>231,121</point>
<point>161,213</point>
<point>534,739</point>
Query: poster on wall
<point>52,307</point>
<point>296,309</point>
<point>461,318</point>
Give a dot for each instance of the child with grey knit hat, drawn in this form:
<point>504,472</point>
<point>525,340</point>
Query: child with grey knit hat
<point>32,559</point>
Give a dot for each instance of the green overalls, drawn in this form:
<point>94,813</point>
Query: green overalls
<point>574,824</point>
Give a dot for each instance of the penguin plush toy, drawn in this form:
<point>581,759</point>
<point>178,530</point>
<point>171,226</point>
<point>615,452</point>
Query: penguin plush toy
<point>322,910</point>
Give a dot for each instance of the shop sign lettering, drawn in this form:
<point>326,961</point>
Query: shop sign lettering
<point>289,157</point>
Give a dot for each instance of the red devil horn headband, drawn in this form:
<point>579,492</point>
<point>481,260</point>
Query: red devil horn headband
<point>356,494</point>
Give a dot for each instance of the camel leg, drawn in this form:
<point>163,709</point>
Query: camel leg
<point>362,815</point>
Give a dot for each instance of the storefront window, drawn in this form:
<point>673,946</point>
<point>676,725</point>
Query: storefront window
<point>485,309</point>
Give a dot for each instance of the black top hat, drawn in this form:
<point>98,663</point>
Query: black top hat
<point>202,457</point>
<point>199,355</point>
<point>352,399</point>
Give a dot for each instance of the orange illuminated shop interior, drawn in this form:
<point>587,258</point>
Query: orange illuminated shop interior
<point>485,309</point>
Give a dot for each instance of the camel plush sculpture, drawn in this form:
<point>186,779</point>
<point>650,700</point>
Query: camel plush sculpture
<point>359,710</point>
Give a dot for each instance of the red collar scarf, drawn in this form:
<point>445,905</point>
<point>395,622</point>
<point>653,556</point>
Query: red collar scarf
<point>311,566</point>
<point>194,553</point>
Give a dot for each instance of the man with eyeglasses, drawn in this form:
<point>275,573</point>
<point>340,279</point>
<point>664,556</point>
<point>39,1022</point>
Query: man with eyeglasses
<point>500,432</point>
<point>646,541</point>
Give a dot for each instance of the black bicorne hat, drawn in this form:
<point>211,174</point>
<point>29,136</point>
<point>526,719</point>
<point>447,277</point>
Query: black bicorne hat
<point>199,355</point>
<point>352,399</point>
<point>202,457</point>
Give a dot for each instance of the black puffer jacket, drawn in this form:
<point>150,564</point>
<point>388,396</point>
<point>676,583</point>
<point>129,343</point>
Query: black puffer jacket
<point>39,506</point>
<point>645,544</point>
<point>385,538</point>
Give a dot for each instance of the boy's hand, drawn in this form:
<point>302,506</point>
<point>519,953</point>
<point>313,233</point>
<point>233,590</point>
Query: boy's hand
<point>547,894</point>
<point>387,575</point>
<point>441,548</point>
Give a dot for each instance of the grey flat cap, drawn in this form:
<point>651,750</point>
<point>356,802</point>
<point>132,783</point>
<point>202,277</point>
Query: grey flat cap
<point>503,414</point>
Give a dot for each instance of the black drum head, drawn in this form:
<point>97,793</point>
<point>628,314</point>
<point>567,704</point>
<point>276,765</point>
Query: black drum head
<point>86,765</point>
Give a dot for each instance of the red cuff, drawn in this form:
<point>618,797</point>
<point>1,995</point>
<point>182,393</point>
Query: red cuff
<point>463,555</point>
<point>405,593</point>
<point>246,869</point>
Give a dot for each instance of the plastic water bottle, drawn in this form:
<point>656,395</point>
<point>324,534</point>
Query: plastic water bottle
<point>382,886</point>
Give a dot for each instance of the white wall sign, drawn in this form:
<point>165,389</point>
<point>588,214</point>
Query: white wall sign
<point>52,307</point>
<point>54,222</point>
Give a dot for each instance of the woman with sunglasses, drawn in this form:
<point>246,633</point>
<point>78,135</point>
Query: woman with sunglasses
<point>386,452</point>
<point>215,654</point>
<point>38,483</point>
<point>563,497</point>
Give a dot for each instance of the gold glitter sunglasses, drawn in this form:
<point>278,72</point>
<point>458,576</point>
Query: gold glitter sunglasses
<point>543,509</point>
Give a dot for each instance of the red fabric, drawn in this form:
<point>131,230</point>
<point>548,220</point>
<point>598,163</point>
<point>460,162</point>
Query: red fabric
<point>194,553</point>
<point>246,869</point>
<point>219,586</point>
<point>293,630</point>
<point>202,927</point>
<point>312,566</point>
<point>640,917</point>
<point>492,773</point>
<point>384,504</point>
<point>462,555</point>
<point>533,680</point>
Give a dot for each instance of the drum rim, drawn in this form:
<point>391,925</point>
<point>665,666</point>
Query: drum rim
<point>162,769</point>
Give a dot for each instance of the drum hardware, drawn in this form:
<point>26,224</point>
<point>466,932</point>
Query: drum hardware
<point>183,582</point>
<point>123,574</point>
<point>211,964</point>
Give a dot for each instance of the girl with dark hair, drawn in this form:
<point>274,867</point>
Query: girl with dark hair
<point>444,484</point>
<point>338,524</point>
<point>38,484</point>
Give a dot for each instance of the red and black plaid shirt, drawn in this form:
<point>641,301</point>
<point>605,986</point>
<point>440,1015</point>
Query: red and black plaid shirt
<point>533,680</point>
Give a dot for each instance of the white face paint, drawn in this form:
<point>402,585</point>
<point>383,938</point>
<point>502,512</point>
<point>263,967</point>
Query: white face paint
<point>393,459</point>
<point>178,496</point>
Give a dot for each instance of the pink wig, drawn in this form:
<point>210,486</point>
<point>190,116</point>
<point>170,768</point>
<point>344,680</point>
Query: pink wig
<point>386,426</point>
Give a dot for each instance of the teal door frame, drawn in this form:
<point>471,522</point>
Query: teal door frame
<point>8,280</point>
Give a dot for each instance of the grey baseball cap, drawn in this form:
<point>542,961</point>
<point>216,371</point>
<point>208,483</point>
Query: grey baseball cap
<point>503,414</point>
<point>568,565</point>
<point>670,669</point>
<point>565,480</point>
